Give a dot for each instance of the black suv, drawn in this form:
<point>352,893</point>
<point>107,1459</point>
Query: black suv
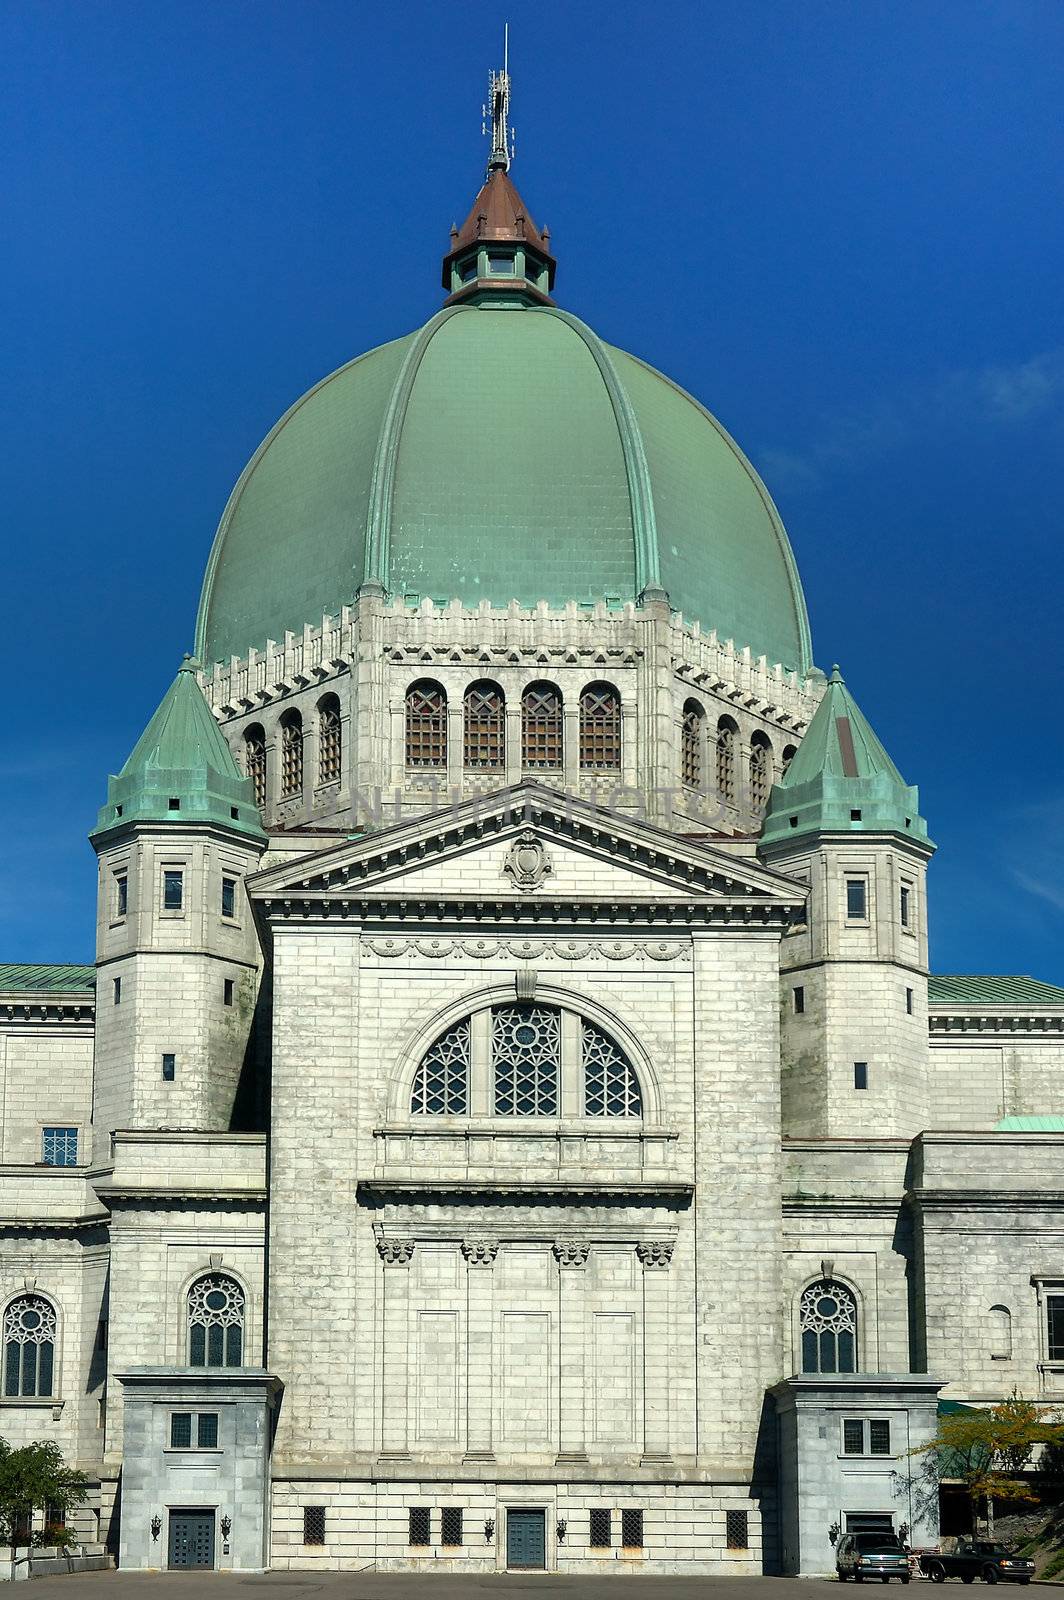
<point>871,1555</point>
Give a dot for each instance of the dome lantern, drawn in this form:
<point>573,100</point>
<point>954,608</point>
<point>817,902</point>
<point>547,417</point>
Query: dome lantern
<point>498,255</point>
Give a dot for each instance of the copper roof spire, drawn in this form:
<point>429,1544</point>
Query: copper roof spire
<point>499,250</point>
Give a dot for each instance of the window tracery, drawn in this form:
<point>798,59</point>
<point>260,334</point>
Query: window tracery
<point>441,1082</point>
<point>485,728</point>
<point>329,740</point>
<point>29,1346</point>
<point>255,762</point>
<point>760,771</point>
<point>526,1055</point>
<point>541,728</point>
<point>727,737</point>
<point>291,755</point>
<point>611,1088</point>
<point>691,745</point>
<point>426,725</point>
<point>827,1319</point>
<point>600,728</point>
<point>216,1322</point>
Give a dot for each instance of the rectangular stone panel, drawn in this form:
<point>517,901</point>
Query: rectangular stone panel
<point>437,1376</point>
<point>526,1378</point>
<point>613,1379</point>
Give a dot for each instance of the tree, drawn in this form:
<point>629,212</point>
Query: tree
<point>35,1476</point>
<point>988,1448</point>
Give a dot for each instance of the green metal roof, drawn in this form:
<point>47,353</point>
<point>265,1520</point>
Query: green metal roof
<point>973,989</point>
<point>500,453</point>
<point>842,780</point>
<point>53,977</point>
<point>1046,1123</point>
<point>181,757</point>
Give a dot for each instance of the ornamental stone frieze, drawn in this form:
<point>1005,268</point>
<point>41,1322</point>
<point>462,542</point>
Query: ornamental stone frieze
<point>480,1252</point>
<point>395,1252</point>
<point>531,949</point>
<point>654,1252</point>
<point>570,1252</point>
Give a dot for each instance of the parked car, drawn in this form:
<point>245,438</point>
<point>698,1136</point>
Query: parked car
<point>979,1558</point>
<point>871,1555</point>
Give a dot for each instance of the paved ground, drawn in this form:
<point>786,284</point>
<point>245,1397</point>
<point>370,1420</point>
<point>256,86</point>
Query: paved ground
<point>404,1586</point>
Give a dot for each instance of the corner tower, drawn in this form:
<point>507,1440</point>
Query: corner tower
<point>854,974</point>
<point>176,950</point>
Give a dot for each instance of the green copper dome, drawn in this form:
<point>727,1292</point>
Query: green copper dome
<point>502,452</point>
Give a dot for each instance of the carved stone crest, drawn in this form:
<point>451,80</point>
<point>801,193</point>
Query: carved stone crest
<point>527,863</point>
<point>480,1252</point>
<point>654,1252</point>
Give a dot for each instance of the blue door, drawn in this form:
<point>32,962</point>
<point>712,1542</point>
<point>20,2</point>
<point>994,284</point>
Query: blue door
<point>526,1539</point>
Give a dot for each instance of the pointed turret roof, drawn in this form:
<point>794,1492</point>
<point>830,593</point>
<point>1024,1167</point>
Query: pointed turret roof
<point>498,215</point>
<point>842,780</point>
<point>181,757</point>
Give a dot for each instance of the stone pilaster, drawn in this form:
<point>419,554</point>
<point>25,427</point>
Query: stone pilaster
<point>655,1257</point>
<point>480,1257</point>
<point>571,1256</point>
<point>396,1255</point>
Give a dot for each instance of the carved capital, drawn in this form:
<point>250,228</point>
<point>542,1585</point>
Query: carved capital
<point>654,1252</point>
<point>480,1252</point>
<point>570,1252</point>
<point>395,1252</point>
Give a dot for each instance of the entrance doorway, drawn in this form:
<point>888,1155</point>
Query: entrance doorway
<point>191,1539</point>
<point>526,1540</point>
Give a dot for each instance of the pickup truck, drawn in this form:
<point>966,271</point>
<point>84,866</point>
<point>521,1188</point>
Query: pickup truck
<point>978,1558</point>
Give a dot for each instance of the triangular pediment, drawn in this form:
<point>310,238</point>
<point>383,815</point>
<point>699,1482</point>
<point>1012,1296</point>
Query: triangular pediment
<point>534,851</point>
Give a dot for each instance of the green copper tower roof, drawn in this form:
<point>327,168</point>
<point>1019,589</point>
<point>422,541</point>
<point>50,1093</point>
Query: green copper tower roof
<point>181,770</point>
<point>842,780</point>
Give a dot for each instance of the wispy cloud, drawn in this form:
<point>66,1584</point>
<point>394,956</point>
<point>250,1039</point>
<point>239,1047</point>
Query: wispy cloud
<point>1036,862</point>
<point>996,395</point>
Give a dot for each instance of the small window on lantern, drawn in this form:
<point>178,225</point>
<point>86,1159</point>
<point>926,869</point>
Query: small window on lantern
<point>467,270</point>
<point>501,266</point>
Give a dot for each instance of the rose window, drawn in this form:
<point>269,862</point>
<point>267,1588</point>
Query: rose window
<point>828,1319</point>
<point>215,1322</point>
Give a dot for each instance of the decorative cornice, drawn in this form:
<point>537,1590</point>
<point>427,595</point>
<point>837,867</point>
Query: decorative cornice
<point>375,1192</point>
<point>530,949</point>
<point>950,1022</point>
<point>48,1008</point>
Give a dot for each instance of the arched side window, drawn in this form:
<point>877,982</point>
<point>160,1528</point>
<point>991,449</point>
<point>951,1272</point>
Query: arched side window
<point>600,728</point>
<point>727,742</point>
<point>1000,1333</point>
<point>611,1088</point>
<point>291,755</point>
<point>330,747</point>
<point>691,744</point>
<point>789,753</point>
<point>531,1052</point>
<point>541,728</point>
<point>29,1347</point>
<point>216,1322</point>
<point>442,1079</point>
<point>760,771</point>
<point>426,725</point>
<point>827,1318</point>
<point>255,761</point>
<point>485,728</point>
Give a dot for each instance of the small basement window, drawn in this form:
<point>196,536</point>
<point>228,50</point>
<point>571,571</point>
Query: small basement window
<point>632,1529</point>
<point>737,1528</point>
<point>600,1528</point>
<point>451,1525</point>
<point>420,1525</point>
<point>313,1524</point>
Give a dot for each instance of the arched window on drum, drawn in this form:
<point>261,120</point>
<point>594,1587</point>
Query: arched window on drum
<point>827,1318</point>
<point>29,1347</point>
<point>216,1322</point>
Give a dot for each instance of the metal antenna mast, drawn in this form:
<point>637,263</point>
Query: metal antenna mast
<point>502,148</point>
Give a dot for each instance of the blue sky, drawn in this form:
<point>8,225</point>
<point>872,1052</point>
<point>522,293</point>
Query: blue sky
<point>838,222</point>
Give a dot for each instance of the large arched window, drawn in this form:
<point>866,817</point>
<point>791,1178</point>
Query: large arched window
<point>216,1322</point>
<point>727,743</point>
<point>29,1347</point>
<point>330,748</point>
<point>255,761</point>
<point>485,728</point>
<point>530,1052</point>
<point>426,725</point>
<point>827,1317</point>
<point>600,728</point>
<point>760,771</point>
<point>541,728</point>
<point>291,755</point>
<point>691,744</point>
